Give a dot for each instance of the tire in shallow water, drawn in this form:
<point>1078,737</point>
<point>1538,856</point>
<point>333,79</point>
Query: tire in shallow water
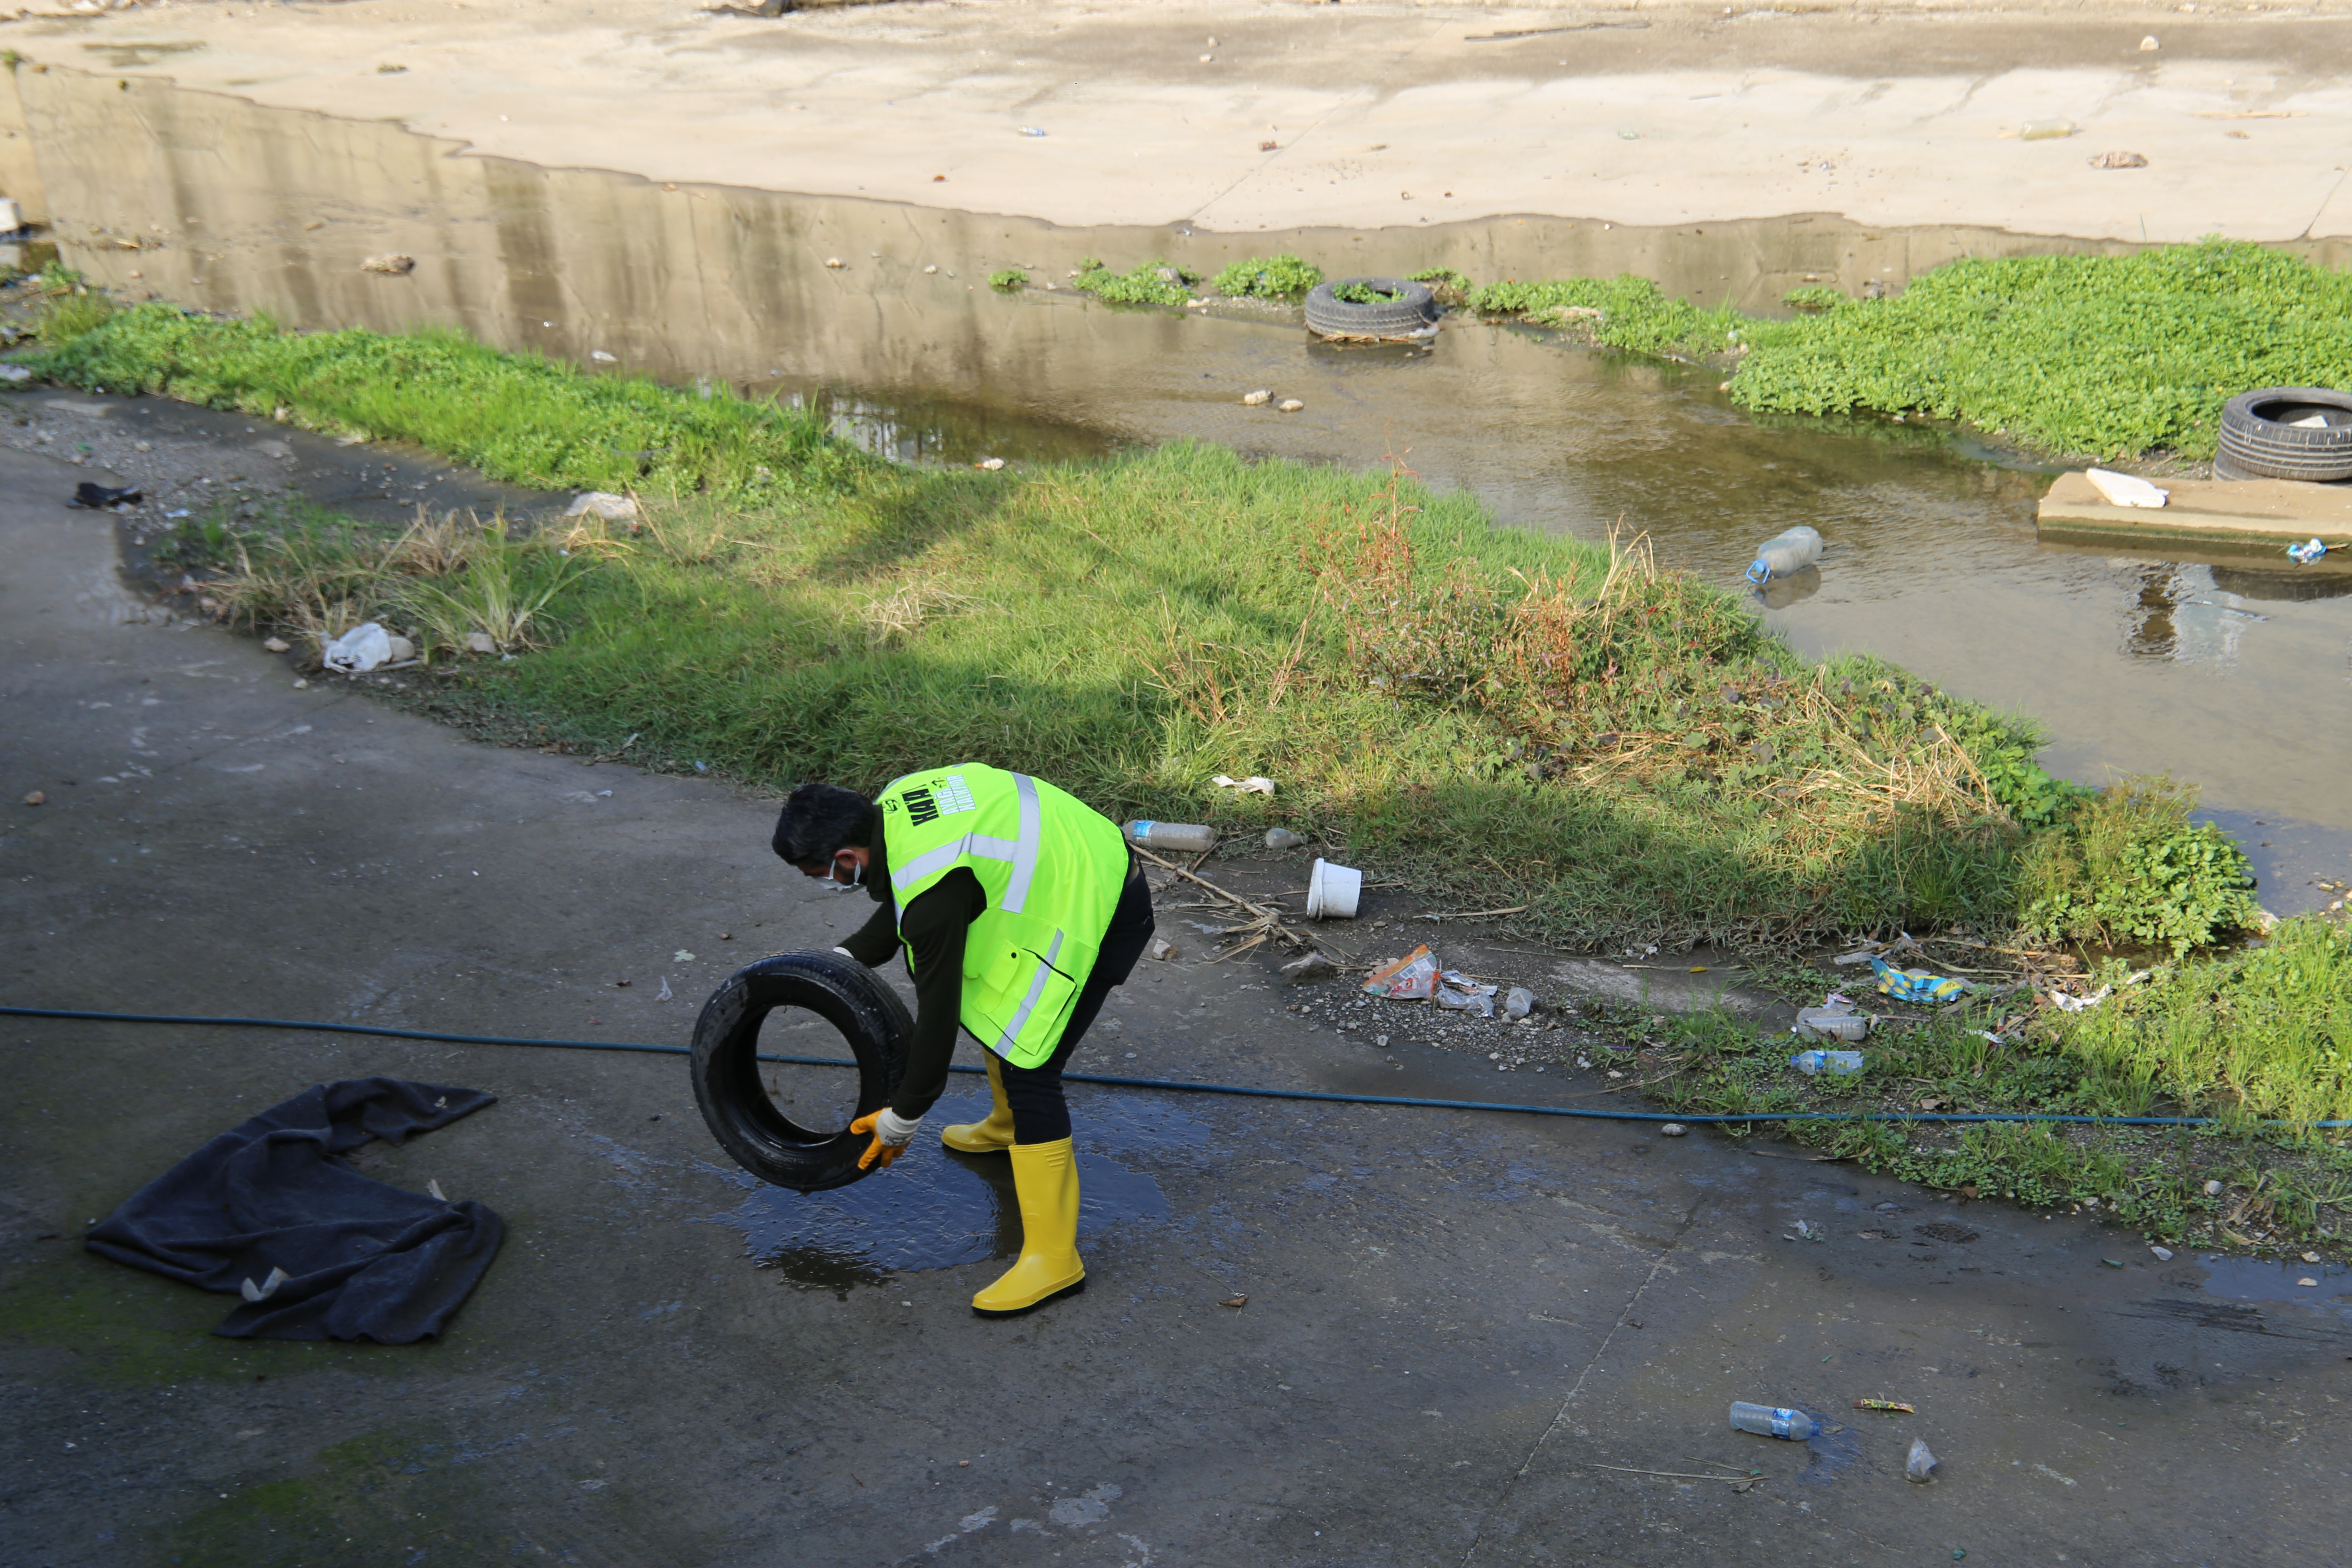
<point>2260,441</point>
<point>748,1125</point>
<point>1410,310</point>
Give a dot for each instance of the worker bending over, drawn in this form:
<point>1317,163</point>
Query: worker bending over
<point>1018,908</point>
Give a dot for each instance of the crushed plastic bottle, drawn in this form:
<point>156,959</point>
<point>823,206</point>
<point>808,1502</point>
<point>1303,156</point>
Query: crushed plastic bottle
<point>1185,838</point>
<point>2306,553</point>
<point>1921,1465</point>
<point>1838,1064</point>
<point>2048,130</point>
<point>1831,1023</point>
<point>1770,1421</point>
<point>1785,554</point>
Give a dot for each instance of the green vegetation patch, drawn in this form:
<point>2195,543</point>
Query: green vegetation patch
<point>1153,283</point>
<point>1283,276</point>
<point>2265,1031</point>
<point>1624,750</point>
<point>2262,1032</point>
<point>1010,280</point>
<point>2127,867</point>
<point>2107,355</point>
<point>517,417</point>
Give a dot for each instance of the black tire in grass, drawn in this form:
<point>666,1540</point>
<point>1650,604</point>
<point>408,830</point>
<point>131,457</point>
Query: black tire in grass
<point>1409,309</point>
<point>2260,441</point>
<point>756,1133</point>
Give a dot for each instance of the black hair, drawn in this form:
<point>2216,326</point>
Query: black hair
<point>821,819</point>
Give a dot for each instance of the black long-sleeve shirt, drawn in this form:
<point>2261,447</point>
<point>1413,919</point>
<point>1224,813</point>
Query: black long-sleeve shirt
<point>935,927</point>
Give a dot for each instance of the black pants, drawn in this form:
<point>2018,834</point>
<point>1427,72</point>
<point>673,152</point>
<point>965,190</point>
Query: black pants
<point>1039,1113</point>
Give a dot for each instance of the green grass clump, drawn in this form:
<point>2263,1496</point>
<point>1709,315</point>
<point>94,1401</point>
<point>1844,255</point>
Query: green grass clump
<point>517,417</point>
<point>2106,356</point>
<point>1153,283</point>
<point>1814,297</point>
<point>73,312</point>
<point>1626,751</point>
<point>1449,286</point>
<point>1283,276</point>
<point>2256,1035</point>
<point>2265,1030</point>
<point>2128,867</point>
<point>1010,280</point>
<point>1626,313</point>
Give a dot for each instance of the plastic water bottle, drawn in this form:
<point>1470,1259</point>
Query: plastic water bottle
<point>1837,1063</point>
<point>1184,838</point>
<point>1785,554</point>
<point>1770,1421</point>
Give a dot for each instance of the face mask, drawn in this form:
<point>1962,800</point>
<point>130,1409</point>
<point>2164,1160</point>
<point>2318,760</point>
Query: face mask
<point>856,877</point>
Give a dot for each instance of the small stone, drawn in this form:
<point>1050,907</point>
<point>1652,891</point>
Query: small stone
<point>2119,161</point>
<point>929,269</point>
<point>2306,1280</point>
<point>623,984</point>
<point>1253,398</point>
<point>300,683</point>
<point>2311,1258</point>
<point>1235,1300</point>
<point>1290,406</point>
<point>2148,45</point>
<point>1673,1130</point>
<point>2212,1189</point>
<point>1314,966</point>
<point>480,642</point>
<point>36,798</point>
<point>391,263</point>
<point>402,650</point>
<point>278,645</point>
<point>2163,1254</point>
<point>834,261</point>
<point>1163,949</point>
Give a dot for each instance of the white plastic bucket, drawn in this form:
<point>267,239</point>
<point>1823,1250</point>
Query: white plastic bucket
<point>1332,891</point>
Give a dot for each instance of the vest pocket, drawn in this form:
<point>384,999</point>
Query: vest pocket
<point>1022,1001</point>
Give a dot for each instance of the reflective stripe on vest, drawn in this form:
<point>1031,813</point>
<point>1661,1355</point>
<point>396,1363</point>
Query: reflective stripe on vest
<point>1050,890</point>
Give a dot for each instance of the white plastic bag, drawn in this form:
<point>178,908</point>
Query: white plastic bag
<point>359,650</point>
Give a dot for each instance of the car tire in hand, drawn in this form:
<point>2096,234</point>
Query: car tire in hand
<point>756,1133</point>
<point>2260,441</point>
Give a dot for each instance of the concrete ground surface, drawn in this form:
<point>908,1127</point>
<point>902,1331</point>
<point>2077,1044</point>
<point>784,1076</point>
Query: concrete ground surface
<point>1235,118</point>
<point>1467,1339</point>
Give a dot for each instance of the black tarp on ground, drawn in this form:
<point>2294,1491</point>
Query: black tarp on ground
<point>362,1260</point>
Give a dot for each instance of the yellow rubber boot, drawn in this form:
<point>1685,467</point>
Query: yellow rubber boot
<point>1045,1180</point>
<point>983,1137</point>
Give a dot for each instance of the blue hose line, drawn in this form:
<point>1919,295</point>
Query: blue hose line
<point>1162,1083</point>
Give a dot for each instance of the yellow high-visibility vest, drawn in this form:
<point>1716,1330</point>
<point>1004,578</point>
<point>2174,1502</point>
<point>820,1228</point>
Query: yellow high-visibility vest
<point>1052,868</point>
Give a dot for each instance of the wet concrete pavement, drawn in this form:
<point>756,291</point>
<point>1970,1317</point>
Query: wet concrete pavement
<point>1453,1325</point>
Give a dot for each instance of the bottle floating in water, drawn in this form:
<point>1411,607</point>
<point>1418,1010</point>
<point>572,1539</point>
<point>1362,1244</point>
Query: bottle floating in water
<point>1184,838</point>
<point>1770,1421</point>
<point>1838,1064</point>
<point>1785,554</point>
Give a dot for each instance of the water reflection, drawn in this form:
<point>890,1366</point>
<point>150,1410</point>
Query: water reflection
<point>933,1209</point>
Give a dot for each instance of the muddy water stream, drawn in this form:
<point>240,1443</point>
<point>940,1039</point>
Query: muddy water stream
<point>2235,673</point>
